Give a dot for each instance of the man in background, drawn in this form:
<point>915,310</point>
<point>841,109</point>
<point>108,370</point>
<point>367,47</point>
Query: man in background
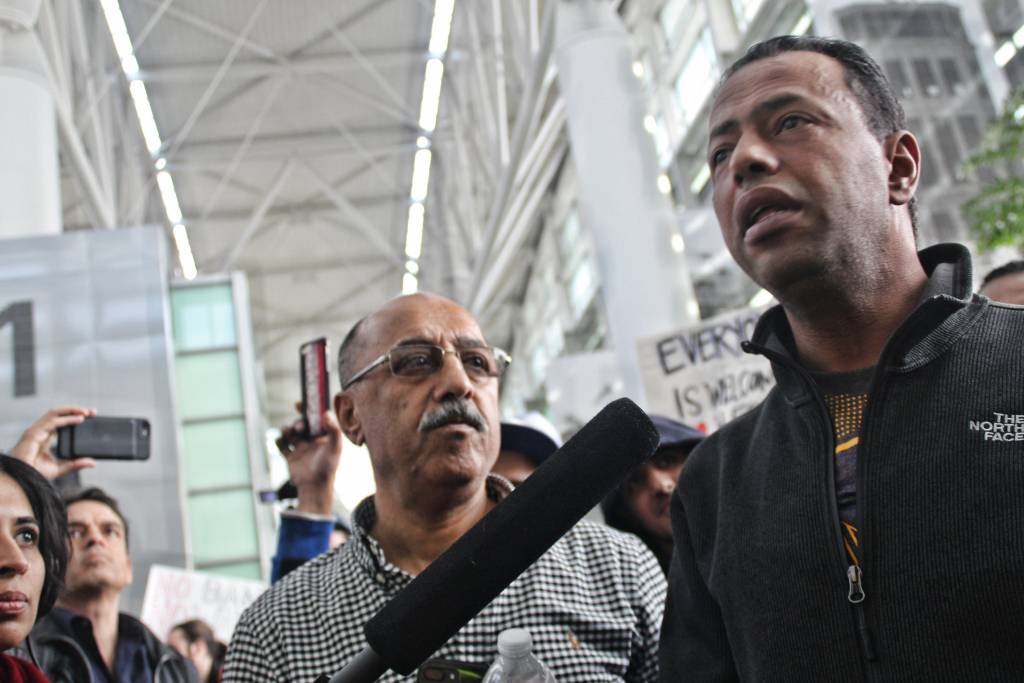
<point>640,505</point>
<point>1005,283</point>
<point>86,638</point>
<point>420,391</point>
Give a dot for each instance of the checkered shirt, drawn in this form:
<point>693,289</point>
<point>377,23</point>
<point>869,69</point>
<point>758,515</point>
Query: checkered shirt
<point>593,604</point>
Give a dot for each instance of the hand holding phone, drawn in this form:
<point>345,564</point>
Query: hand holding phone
<point>34,446</point>
<point>312,464</point>
<point>106,438</point>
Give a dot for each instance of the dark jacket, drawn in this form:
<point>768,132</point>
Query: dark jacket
<point>759,587</point>
<point>56,652</point>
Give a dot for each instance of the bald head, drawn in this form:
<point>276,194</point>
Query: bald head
<point>353,347</point>
<point>434,424</point>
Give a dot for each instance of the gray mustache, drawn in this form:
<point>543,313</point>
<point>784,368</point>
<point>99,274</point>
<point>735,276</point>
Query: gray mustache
<point>453,411</point>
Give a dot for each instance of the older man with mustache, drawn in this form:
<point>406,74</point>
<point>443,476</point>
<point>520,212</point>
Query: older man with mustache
<point>420,390</point>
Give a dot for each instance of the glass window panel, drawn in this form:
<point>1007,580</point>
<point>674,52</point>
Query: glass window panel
<point>241,570</point>
<point>570,233</point>
<point>581,287</point>
<point>930,163</point>
<point>204,317</point>
<point>851,26</point>
<point>971,130</point>
<point>697,78</point>
<point>926,77</point>
<point>662,142</point>
<point>955,83</point>
<point>897,73</point>
<point>216,453</point>
<point>208,385</point>
<point>223,526</point>
<point>745,11</point>
<point>951,153</point>
<point>669,17</point>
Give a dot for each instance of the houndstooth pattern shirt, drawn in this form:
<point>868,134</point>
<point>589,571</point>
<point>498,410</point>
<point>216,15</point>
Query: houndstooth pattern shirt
<point>593,604</point>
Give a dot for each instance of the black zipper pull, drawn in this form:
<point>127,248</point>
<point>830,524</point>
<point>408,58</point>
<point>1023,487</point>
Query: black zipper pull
<point>856,594</point>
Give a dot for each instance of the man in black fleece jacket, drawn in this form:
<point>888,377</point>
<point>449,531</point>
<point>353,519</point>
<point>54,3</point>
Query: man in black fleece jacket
<point>865,521</point>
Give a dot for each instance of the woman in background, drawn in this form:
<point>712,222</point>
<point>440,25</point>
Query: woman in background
<point>33,557</point>
<point>195,640</point>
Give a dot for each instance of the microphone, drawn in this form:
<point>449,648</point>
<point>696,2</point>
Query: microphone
<point>504,543</point>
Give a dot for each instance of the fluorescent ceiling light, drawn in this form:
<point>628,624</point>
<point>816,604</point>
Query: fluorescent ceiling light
<point>432,76</point>
<point>118,29</point>
<point>420,175</point>
<point>409,284</point>
<point>638,69</point>
<point>170,197</point>
<point>414,231</point>
<point>441,26</point>
<point>701,179</point>
<point>422,142</point>
<point>146,121</point>
<point>650,125</point>
<point>664,184</point>
<point>1005,53</point>
<point>1018,37</point>
<point>150,132</point>
<point>803,24</point>
<point>188,264</point>
<point>412,267</point>
<point>678,245</point>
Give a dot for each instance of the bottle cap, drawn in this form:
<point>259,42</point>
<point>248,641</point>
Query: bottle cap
<point>514,642</point>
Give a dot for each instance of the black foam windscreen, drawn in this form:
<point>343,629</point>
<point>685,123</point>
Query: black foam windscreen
<point>476,568</point>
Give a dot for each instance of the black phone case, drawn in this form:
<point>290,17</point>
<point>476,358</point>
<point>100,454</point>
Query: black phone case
<point>106,438</point>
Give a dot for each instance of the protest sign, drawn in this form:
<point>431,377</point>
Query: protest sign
<point>175,595</point>
<point>700,375</point>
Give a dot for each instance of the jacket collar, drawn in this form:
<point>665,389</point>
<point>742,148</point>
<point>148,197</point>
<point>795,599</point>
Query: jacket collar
<point>947,305</point>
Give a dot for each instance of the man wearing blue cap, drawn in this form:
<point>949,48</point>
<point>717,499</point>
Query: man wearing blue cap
<point>526,442</point>
<point>640,505</point>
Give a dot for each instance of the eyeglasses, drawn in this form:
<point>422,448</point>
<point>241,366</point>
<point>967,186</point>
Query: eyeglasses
<point>420,360</point>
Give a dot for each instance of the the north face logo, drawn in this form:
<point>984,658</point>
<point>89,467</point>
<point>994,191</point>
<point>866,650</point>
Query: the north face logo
<point>1002,427</point>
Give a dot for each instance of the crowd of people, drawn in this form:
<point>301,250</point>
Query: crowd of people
<point>861,523</point>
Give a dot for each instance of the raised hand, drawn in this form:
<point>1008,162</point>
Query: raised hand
<point>35,444</point>
<point>313,464</point>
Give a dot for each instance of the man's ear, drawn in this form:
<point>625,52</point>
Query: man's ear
<point>348,417</point>
<point>904,156</point>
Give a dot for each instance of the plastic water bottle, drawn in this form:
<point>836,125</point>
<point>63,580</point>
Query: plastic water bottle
<point>515,663</point>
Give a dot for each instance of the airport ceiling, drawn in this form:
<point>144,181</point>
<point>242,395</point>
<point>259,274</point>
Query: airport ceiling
<point>289,131</point>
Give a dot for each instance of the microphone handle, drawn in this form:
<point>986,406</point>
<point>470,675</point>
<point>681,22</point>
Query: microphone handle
<point>365,667</point>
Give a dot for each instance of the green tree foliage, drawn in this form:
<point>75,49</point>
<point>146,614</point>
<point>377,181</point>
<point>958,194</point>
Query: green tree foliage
<point>996,215</point>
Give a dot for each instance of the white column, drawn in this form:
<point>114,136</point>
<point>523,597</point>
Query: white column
<point>645,282</point>
<point>29,176</point>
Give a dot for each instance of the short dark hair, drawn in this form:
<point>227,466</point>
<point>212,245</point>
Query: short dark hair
<point>1004,270</point>
<point>882,110</point>
<point>95,493</point>
<point>48,509</point>
<point>345,353</point>
<point>198,630</point>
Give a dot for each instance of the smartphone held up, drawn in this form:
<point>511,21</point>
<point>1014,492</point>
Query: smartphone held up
<point>105,438</point>
<point>315,386</point>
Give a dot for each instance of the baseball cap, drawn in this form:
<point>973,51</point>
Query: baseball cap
<point>530,434</point>
<point>674,433</point>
